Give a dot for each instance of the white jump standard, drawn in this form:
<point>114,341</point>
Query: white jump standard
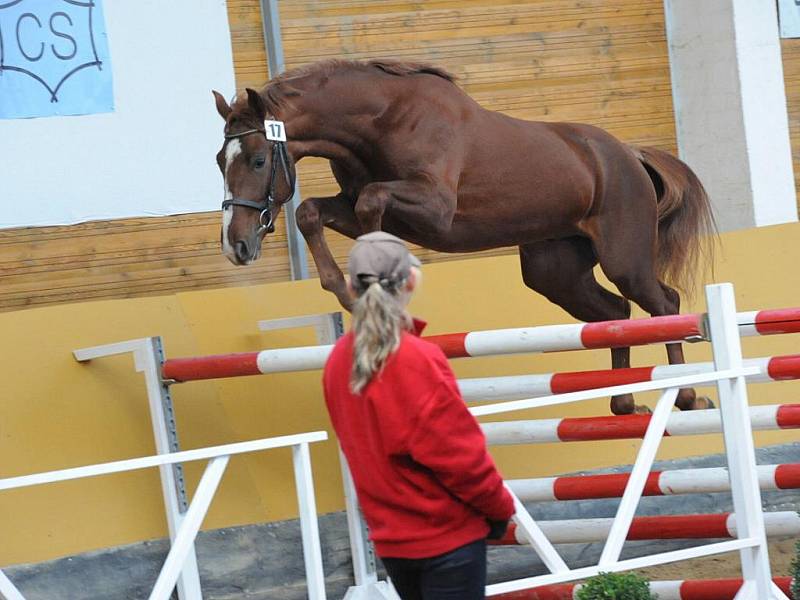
<point>721,325</point>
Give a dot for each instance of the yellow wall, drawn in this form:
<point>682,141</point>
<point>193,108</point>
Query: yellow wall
<point>56,413</point>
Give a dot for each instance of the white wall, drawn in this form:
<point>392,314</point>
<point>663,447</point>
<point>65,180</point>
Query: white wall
<point>154,155</point>
<point>730,107</point>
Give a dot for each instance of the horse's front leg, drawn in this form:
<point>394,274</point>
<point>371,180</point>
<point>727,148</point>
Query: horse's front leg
<point>425,205</point>
<point>337,213</point>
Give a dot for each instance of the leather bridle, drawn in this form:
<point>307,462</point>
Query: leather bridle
<point>279,155</point>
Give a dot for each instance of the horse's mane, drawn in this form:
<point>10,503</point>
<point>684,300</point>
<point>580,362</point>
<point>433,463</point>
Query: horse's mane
<point>394,67</point>
<point>281,87</point>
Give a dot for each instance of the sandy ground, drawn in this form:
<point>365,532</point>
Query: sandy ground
<point>720,566</point>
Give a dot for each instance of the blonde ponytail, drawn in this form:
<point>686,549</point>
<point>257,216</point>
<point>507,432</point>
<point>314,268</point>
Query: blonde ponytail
<point>378,321</point>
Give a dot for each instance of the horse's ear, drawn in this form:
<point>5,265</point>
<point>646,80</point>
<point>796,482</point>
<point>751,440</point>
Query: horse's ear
<point>222,106</point>
<point>256,103</point>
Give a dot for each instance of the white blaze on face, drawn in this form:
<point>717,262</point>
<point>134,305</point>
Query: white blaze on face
<point>233,150</point>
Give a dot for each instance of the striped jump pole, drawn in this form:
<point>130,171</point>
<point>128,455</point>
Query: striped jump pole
<point>669,527</point>
<point>609,334</point>
<point>689,589</point>
<point>659,483</point>
<point>513,387</point>
<point>550,338</point>
<point>583,429</point>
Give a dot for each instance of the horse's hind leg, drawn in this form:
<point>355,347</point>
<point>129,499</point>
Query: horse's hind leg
<point>629,263</point>
<point>687,398</point>
<point>561,270</point>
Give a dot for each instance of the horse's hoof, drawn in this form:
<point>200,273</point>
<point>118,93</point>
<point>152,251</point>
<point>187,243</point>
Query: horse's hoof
<point>642,410</point>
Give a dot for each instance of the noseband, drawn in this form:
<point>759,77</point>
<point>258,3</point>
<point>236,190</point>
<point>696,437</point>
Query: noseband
<point>279,154</point>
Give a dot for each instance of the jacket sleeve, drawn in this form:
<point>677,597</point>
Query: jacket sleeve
<point>447,439</point>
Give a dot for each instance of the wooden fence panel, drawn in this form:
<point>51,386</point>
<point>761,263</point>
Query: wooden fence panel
<point>790,49</point>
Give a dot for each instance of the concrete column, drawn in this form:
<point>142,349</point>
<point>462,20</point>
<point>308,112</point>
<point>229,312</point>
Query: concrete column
<point>730,107</point>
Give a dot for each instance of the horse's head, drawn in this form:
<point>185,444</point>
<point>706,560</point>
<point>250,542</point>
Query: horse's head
<point>258,172</point>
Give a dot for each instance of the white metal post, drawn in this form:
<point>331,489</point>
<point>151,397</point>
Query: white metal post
<point>309,527</point>
<point>638,478</point>
<point>183,544</point>
<point>273,43</point>
<point>8,590</point>
<point>365,569</point>
<point>738,435</point>
<point>147,360</point>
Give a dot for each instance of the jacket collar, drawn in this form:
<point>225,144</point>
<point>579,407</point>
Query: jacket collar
<point>418,325</point>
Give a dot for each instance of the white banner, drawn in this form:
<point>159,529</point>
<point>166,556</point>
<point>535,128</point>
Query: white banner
<point>154,155</point>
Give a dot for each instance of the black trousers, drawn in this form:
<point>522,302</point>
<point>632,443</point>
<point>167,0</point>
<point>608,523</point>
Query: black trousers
<point>456,575</point>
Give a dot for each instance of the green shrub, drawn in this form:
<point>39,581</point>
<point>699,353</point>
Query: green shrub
<point>796,572</point>
<point>616,586</point>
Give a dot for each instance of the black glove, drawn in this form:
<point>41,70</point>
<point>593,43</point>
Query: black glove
<point>497,529</point>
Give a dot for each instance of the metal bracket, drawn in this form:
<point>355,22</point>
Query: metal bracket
<point>172,428</point>
<point>694,339</point>
<point>273,44</point>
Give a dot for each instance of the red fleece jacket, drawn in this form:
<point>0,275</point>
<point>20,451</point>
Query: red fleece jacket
<point>425,481</point>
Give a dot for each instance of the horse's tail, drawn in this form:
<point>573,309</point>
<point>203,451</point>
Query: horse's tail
<point>686,226</point>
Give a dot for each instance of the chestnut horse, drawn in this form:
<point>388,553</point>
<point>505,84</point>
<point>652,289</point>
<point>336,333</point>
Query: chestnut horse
<point>414,155</point>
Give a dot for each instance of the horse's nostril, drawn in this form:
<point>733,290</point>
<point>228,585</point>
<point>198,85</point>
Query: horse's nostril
<point>241,250</point>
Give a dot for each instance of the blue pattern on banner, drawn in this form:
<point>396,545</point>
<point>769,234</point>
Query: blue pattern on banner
<point>54,59</point>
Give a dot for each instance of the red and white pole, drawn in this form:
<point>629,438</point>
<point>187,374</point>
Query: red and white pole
<point>584,429</point>
<point>513,387</point>
<point>609,334</point>
<point>667,527</point>
<point>550,338</point>
<point>659,483</point>
<point>689,589</point>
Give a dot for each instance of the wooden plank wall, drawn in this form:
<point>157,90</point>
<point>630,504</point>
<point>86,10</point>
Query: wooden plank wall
<point>603,62</point>
<point>145,256</point>
<point>790,50</point>
<point>598,61</point>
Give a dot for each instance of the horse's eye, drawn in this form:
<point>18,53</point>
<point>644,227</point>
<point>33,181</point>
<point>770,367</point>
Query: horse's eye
<point>259,163</point>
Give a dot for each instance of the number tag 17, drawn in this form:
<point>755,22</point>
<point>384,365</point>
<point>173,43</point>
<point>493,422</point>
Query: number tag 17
<point>275,130</point>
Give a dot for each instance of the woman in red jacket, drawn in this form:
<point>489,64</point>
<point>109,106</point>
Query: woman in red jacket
<point>428,488</point>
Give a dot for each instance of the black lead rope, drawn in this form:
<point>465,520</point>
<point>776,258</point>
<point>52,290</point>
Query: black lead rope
<point>279,154</point>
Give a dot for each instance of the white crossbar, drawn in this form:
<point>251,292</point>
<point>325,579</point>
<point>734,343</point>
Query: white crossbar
<point>93,352</point>
<point>161,459</point>
<point>638,478</point>
<point>623,565</point>
<point>183,542</point>
<point>630,388</point>
<point>536,537</point>
<point>319,320</point>
<point>8,590</point>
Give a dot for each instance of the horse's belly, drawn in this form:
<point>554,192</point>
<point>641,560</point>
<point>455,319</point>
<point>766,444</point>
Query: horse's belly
<point>475,232</point>
<point>517,219</point>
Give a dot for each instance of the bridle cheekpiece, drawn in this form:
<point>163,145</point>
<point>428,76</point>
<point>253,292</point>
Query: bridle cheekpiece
<point>274,132</point>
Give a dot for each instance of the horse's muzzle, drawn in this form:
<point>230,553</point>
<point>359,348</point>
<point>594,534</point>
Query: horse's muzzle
<point>242,252</point>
